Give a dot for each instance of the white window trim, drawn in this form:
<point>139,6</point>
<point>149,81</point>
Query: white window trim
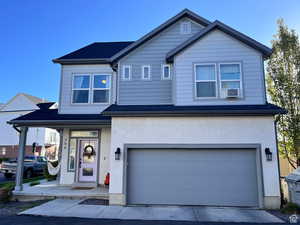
<point>123,72</point>
<point>240,80</point>
<point>143,72</point>
<point>81,89</point>
<point>189,24</point>
<point>109,89</point>
<point>196,81</point>
<point>163,72</point>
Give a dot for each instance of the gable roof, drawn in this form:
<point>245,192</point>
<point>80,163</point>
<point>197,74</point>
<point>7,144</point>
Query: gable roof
<point>168,23</point>
<point>98,52</point>
<point>266,51</point>
<point>35,100</point>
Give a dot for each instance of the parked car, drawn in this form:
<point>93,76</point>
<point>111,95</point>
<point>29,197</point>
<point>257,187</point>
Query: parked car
<point>33,165</point>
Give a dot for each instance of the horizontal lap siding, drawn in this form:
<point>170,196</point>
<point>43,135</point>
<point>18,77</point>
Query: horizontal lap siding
<point>219,47</point>
<point>65,102</point>
<point>153,52</point>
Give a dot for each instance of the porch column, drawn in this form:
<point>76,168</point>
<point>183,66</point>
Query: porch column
<point>61,132</point>
<point>59,153</point>
<point>21,154</point>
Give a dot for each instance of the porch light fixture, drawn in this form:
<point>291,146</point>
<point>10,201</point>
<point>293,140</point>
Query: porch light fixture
<point>118,154</point>
<point>268,154</point>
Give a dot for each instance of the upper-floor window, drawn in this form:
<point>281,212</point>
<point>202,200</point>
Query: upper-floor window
<point>101,88</point>
<point>166,72</point>
<point>230,76</point>
<point>126,73</point>
<point>205,81</point>
<point>98,90</point>
<point>80,89</point>
<point>185,28</point>
<point>146,73</point>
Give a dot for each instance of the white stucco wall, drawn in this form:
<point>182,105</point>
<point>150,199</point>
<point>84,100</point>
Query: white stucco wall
<point>104,153</point>
<point>67,177</point>
<point>195,130</point>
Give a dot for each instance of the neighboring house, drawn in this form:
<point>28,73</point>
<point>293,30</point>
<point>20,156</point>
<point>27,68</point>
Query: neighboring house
<point>285,167</point>
<point>44,138</point>
<point>178,117</point>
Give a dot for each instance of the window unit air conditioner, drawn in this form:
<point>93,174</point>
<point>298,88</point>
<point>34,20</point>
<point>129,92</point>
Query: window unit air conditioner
<point>232,93</point>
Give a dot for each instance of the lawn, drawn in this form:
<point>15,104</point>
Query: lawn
<point>28,180</point>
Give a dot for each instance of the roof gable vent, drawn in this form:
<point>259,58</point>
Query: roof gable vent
<point>185,27</point>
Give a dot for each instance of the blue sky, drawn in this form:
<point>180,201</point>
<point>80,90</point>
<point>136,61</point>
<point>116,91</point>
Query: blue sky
<point>33,32</point>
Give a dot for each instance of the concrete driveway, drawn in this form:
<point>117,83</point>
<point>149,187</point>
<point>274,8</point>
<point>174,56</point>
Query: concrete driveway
<point>72,208</point>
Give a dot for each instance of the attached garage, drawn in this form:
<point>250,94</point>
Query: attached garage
<point>178,175</point>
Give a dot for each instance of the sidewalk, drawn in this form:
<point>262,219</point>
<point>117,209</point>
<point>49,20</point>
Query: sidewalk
<point>72,208</point>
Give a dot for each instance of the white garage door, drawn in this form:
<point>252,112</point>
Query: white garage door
<point>216,177</point>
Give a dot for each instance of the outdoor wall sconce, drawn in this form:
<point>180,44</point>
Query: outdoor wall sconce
<point>118,154</point>
<point>268,154</point>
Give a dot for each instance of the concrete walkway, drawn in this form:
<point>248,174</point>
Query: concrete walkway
<point>72,208</point>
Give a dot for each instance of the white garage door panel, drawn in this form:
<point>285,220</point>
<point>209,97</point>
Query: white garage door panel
<point>192,177</point>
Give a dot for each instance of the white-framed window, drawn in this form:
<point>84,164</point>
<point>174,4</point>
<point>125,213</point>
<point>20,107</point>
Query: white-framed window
<point>126,72</point>
<point>185,27</point>
<point>166,72</point>
<point>81,89</point>
<point>146,72</point>
<point>52,137</point>
<point>205,80</point>
<point>101,88</point>
<point>230,76</point>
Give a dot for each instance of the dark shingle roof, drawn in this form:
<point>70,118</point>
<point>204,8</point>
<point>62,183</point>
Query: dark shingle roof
<point>100,51</point>
<point>47,117</point>
<point>52,117</point>
<point>213,110</point>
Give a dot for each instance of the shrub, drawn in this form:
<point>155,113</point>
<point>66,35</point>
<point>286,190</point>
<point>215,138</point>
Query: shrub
<point>290,208</point>
<point>48,176</point>
<point>3,159</point>
<point>6,191</point>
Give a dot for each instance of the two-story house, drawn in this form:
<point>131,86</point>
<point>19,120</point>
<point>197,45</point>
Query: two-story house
<point>178,117</point>
<point>40,140</point>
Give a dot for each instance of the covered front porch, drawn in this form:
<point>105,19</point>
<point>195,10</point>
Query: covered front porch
<point>52,189</point>
<point>84,154</point>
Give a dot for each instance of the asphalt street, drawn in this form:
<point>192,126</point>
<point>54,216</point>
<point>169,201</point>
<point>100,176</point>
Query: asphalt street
<point>37,220</point>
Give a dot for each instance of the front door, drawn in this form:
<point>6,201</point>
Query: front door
<point>88,155</point>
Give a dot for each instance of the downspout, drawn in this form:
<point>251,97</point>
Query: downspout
<point>16,128</point>
<point>115,68</point>
<point>278,164</point>
<point>19,131</point>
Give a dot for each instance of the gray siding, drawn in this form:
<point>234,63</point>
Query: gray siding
<point>65,98</point>
<point>153,52</point>
<point>219,47</point>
